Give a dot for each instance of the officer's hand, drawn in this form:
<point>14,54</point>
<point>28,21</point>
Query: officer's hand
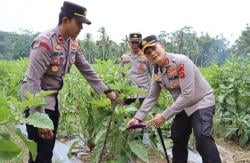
<point>133,121</point>
<point>111,95</point>
<point>45,133</point>
<point>156,121</point>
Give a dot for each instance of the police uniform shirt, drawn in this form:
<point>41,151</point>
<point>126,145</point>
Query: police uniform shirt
<point>139,70</point>
<point>186,84</point>
<point>51,57</point>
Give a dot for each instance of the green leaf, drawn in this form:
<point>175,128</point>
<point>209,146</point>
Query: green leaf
<point>100,102</point>
<point>8,150</point>
<point>35,100</point>
<point>230,132</point>
<point>70,149</point>
<point>5,113</point>
<point>243,139</point>
<point>120,159</point>
<point>221,98</point>
<point>130,108</point>
<point>32,146</point>
<point>5,136</point>
<point>39,120</point>
<point>100,136</point>
<point>139,149</point>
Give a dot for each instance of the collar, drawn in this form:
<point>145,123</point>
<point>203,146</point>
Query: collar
<point>59,37</point>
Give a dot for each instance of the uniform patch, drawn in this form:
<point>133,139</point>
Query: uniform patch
<point>61,60</point>
<point>58,47</point>
<point>157,77</point>
<point>74,46</point>
<point>167,61</point>
<point>140,67</point>
<point>181,71</point>
<point>171,71</point>
<point>175,84</point>
<point>54,60</point>
<point>43,44</point>
<point>55,68</point>
<point>60,39</point>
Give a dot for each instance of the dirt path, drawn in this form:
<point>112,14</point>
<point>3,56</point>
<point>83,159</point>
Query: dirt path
<point>233,153</point>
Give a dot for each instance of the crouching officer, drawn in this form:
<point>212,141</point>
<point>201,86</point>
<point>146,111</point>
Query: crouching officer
<point>52,54</point>
<point>193,105</point>
<point>139,69</point>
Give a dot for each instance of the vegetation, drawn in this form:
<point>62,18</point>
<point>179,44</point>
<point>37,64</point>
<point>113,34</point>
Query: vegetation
<point>88,114</point>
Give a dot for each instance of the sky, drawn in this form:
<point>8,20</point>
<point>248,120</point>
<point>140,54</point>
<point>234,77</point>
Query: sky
<point>121,17</point>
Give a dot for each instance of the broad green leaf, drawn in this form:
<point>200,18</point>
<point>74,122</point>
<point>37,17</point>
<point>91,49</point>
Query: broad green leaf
<point>120,159</point>
<point>39,120</point>
<point>101,118</point>
<point>230,132</point>
<point>104,102</point>
<point>139,149</point>
<point>8,150</point>
<point>243,139</point>
<point>35,100</point>
<point>29,143</point>
<point>130,108</point>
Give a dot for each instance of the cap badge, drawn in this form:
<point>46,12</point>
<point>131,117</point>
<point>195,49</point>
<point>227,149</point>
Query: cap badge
<point>144,43</point>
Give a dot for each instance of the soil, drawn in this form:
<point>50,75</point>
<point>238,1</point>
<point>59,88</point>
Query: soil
<point>233,153</point>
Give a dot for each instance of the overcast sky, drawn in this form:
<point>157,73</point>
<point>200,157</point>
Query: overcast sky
<point>120,17</point>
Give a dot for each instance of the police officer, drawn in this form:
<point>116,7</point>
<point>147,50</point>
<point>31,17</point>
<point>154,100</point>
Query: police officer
<point>193,105</point>
<point>139,69</point>
<point>52,54</point>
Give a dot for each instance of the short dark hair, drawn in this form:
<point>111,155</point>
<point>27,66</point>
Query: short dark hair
<point>62,15</point>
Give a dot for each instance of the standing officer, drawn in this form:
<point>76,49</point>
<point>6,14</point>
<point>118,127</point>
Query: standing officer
<point>139,71</point>
<point>51,56</point>
<point>193,105</point>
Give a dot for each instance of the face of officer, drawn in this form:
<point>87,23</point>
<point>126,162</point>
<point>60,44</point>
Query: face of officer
<point>135,46</point>
<point>156,54</point>
<point>72,27</point>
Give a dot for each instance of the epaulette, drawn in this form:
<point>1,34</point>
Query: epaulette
<point>47,34</point>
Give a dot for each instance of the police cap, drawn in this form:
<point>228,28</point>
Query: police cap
<point>148,41</point>
<point>79,12</point>
<point>135,36</point>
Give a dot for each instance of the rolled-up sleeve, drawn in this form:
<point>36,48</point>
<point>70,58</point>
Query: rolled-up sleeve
<point>149,101</point>
<point>89,74</point>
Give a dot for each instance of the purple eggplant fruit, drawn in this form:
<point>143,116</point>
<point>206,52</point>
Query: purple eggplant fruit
<point>140,125</point>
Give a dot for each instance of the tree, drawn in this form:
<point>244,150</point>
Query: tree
<point>242,44</point>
